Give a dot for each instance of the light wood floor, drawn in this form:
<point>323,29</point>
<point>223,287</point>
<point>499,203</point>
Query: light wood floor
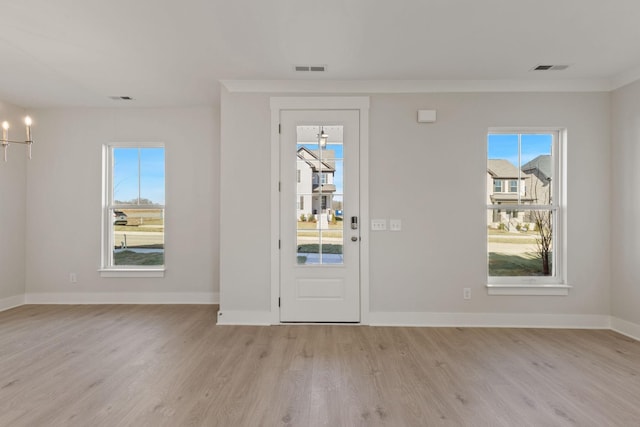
<point>172,366</point>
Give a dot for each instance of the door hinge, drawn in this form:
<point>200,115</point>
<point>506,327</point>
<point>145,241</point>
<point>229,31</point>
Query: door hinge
<point>278,302</point>
<point>278,243</point>
<point>279,128</point>
<point>279,186</point>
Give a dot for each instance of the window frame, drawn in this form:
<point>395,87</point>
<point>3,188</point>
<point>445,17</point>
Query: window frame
<point>107,269</point>
<point>555,284</point>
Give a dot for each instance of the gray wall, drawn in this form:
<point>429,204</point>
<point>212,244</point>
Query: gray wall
<point>13,190</point>
<point>432,176</point>
<point>625,212</point>
<point>64,202</point>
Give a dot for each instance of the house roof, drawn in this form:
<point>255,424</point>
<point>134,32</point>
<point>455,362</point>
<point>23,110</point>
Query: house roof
<point>313,160</point>
<point>542,163</point>
<point>501,168</point>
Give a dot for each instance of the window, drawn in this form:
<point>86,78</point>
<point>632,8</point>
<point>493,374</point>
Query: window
<point>298,175</point>
<point>524,226</point>
<point>497,186</point>
<point>133,208</point>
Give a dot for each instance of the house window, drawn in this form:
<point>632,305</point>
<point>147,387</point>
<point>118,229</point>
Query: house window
<point>323,178</point>
<point>524,242</point>
<point>301,203</point>
<point>133,208</point>
<point>298,176</point>
<point>497,186</point>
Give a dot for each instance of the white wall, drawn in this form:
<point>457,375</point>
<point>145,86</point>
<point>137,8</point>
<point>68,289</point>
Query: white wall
<point>13,189</point>
<point>245,202</point>
<point>625,213</point>
<point>432,177</point>
<point>64,204</point>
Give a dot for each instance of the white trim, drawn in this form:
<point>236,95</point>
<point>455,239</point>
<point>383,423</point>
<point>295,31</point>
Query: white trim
<point>11,302</point>
<point>491,320</point>
<point>632,330</point>
<point>546,289</point>
<point>132,272</point>
<point>415,86</point>
<point>257,318</point>
<point>277,104</point>
<point>123,298</point>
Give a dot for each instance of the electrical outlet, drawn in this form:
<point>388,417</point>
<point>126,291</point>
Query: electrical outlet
<point>378,224</point>
<point>73,278</point>
<point>466,293</point>
<point>395,225</point>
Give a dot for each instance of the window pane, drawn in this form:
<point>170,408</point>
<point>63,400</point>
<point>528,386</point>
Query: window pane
<point>537,167</point>
<point>125,175</point>
<point>308,241</point>
<point>152,176</point>
<point>138,236</point>
<point>502,168</point>
<point>520,242</point>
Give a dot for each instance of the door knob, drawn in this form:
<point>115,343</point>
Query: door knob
<point>354,238</point>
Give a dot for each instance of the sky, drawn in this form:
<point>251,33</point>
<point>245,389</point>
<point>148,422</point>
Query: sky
<point>151,175</point>
<point>505,146</point>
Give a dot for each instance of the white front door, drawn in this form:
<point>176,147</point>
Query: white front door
<point>319,216</point>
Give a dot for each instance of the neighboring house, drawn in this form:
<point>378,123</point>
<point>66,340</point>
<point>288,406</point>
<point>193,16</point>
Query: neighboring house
<point>315,185</point>
<point>538,174</point>
<point>504,185</point>
<point>503,188</point>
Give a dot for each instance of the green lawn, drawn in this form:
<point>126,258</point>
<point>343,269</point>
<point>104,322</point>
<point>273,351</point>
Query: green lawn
<point>134,258</point>
<point>527,264</point>
<point>313,248</point>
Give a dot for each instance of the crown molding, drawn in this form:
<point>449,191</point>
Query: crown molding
<point>415,86</point>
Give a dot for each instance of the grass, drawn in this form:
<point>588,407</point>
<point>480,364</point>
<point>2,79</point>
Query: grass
<point>526,264</point>
<point>314,248</point>
<point>134,258</point>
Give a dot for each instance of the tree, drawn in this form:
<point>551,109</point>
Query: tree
<point>544,226</point>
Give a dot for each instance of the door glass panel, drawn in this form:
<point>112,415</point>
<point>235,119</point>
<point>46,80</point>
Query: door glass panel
<point>319,194</point>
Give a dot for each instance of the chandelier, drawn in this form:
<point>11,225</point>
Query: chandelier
<point>5,141</point>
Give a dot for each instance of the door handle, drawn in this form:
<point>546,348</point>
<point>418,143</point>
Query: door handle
<point>354,238</point>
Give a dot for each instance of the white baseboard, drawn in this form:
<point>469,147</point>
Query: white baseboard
<point>123,298</point>
<point>11,302</point>
<point>494,320</point>
<point>632,330</point>
<point>258,318</point>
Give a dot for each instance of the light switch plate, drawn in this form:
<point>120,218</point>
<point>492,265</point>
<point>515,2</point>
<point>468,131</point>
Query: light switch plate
<point>395,224</point>
<point>378,224</point>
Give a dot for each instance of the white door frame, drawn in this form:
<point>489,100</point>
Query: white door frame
<point>360,103</point>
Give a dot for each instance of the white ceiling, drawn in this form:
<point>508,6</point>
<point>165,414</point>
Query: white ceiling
<point>176,52</point>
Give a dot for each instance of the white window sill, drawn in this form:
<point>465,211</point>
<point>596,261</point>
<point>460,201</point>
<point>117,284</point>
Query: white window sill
<point>524,289</point>
<point>132,272</point>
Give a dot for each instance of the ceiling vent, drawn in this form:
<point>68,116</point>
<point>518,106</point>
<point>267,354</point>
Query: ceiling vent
<point>550,67</point>
<point>317,68</point>
<point>121,98</point>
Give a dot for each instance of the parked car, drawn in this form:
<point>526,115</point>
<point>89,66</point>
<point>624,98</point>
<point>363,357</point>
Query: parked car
<point>119,218</point>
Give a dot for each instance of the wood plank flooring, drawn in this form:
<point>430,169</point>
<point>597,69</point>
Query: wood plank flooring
<point>127,365</point>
